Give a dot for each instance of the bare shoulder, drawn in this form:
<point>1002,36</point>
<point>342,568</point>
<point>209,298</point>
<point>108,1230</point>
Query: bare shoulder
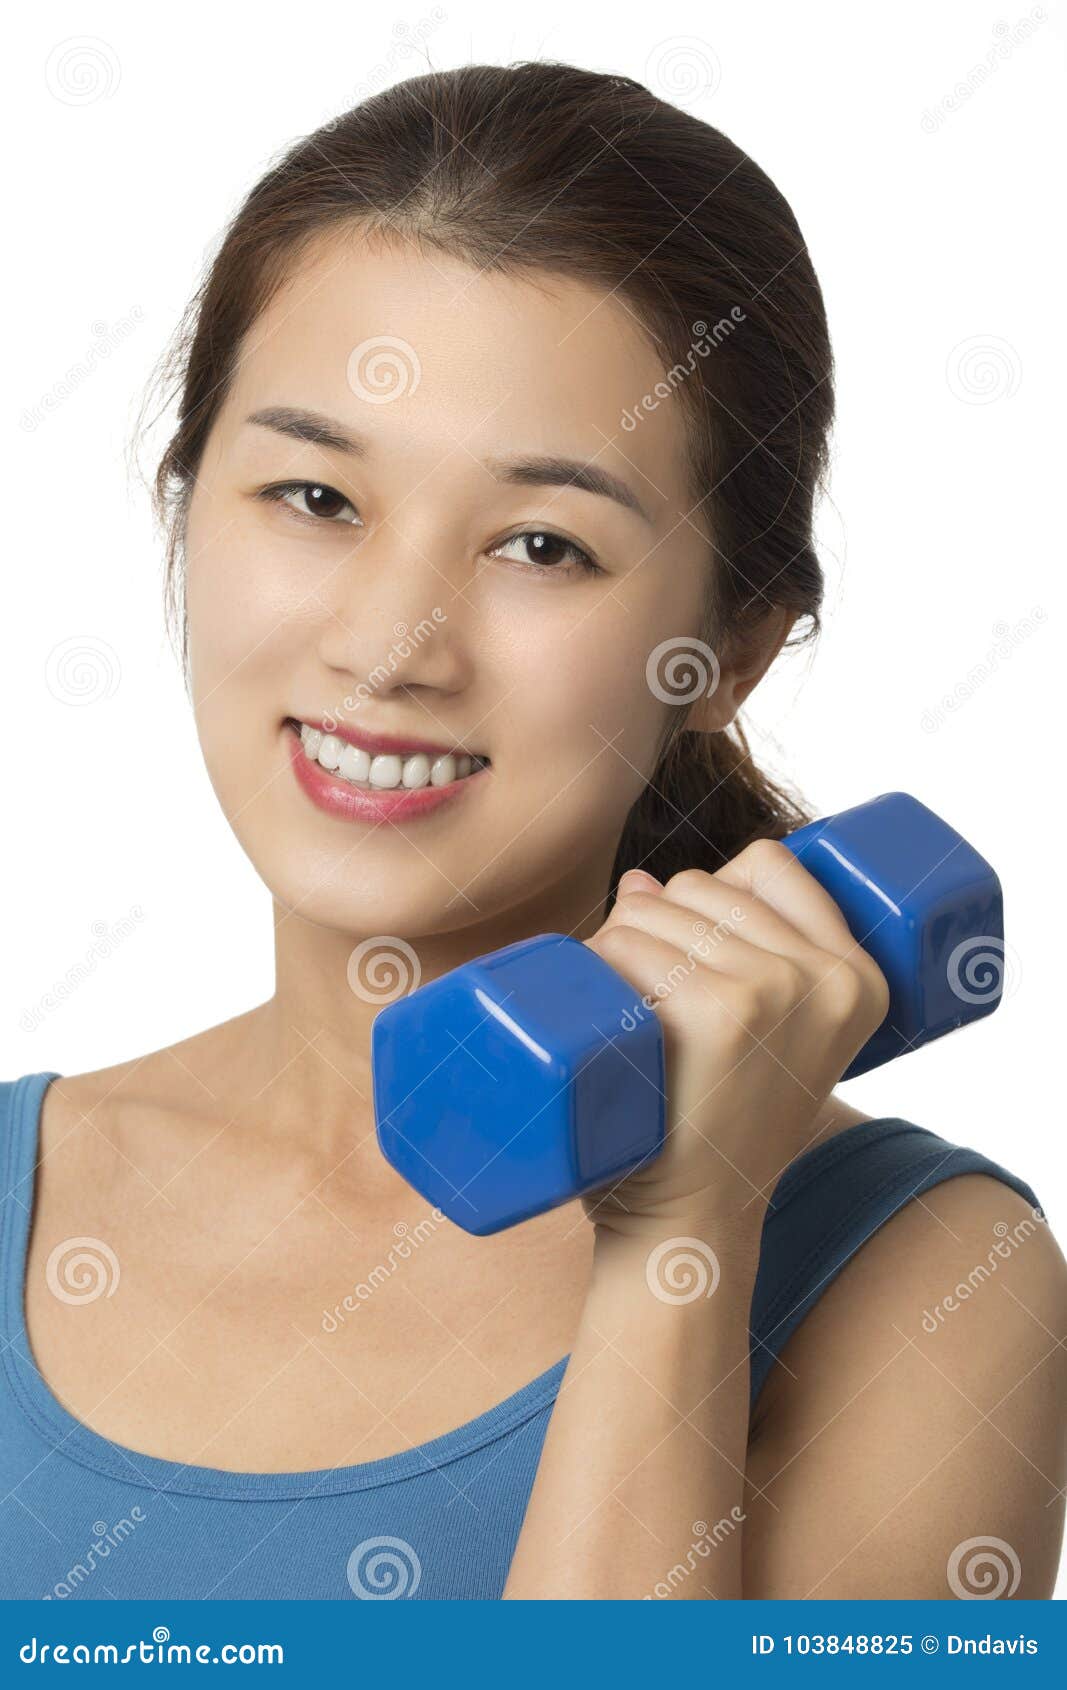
<point>179,1079</point>
<point>919,1412</point>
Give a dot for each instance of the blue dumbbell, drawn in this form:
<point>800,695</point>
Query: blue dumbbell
<point>523,1079</point>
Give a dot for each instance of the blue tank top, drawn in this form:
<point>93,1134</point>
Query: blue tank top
<point>86,1518</point>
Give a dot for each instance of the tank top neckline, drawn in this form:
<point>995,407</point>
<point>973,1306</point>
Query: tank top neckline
<point>72,1437</point>
<point>80,1443</point>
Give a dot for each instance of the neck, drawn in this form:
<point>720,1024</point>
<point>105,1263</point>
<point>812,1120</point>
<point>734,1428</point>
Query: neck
<point>309,1045</point>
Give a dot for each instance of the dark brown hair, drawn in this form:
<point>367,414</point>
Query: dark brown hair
<point>543,166</point>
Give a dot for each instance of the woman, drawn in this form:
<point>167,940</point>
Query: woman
<point>502,388</point>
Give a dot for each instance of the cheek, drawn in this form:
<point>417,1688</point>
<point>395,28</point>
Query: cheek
<point>587,708</point>
<point>242,642</point>
<point>245,604</point>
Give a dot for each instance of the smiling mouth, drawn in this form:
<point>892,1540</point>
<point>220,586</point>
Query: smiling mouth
<point>384,771</point>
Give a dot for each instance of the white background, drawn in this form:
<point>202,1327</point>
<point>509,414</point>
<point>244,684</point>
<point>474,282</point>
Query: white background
<point>937,237</point>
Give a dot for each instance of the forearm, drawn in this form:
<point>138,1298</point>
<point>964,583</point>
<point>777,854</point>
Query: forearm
<point>640,1486</point>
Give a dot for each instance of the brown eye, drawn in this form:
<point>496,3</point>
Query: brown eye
<point>551,552</point>
<point>316,501</point>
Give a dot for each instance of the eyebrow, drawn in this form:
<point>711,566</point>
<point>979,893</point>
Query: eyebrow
<point>545,470</point>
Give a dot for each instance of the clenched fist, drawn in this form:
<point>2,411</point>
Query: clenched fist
<point>764,998</point>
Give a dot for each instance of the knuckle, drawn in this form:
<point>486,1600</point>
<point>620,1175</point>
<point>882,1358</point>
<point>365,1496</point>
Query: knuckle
<point>878,986</point>
<point>637,903</point>
<point>845,990</point>
<point>687,883</point>
<point>769,853</point>
<point>616,936</point>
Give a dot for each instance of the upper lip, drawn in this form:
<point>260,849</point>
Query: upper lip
<point>383,744</point>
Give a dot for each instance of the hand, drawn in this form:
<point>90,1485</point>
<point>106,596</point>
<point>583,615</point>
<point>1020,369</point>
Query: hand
<point>764,999</point>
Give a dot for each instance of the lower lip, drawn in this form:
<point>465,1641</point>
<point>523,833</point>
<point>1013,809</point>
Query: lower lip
<point>367,803</point>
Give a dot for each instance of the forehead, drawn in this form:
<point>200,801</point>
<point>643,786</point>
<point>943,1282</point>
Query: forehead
<point>534,360</point>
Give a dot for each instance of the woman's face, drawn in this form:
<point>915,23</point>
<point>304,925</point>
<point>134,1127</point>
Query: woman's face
<point>426,587</point>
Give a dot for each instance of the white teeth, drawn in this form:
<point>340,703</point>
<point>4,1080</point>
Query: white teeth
<point>354,764</point>
<point>329,752</point>
<point>386,771</point>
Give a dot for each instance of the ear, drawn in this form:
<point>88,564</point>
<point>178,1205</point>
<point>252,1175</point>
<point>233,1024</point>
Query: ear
<point>741,667</point>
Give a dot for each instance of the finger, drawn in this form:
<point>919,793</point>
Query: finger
<point>717,902</point>
<point>769,871</point>
<point>651,964</point>
<point>722,946</point>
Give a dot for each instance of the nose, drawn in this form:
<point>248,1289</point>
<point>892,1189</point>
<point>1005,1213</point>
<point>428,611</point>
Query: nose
<point>397,618</point>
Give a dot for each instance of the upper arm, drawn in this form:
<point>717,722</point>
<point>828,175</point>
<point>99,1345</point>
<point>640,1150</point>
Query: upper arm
<point>919,1413</point>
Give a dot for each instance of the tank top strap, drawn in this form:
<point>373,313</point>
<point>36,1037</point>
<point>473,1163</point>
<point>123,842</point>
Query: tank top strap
<point>829,1202</point>
<point>20,1108</point>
